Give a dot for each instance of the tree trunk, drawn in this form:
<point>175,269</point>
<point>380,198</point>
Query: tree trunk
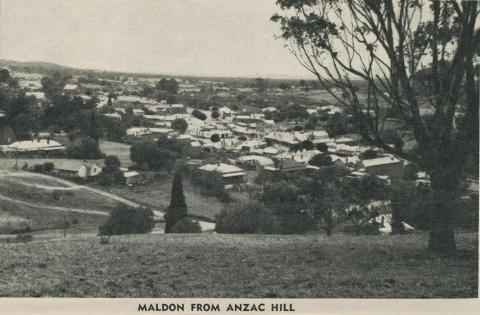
<point>329,231</point>
<point>442,237</point>
<point>397,221</point>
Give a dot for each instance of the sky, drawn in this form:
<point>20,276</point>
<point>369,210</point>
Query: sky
<point>183,37</point>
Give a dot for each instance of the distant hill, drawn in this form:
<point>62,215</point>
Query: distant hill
<point>47,68</point>
<point>34,66</point>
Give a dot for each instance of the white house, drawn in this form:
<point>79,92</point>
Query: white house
<point>76,168</point>
<point>34,145</point>
<point>231,174</point>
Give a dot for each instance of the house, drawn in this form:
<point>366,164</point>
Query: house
<point>250,145</point>
<point>343,149</point>
<point>269,109</point>
<point>113,115</point>
<point>177,109</point>
<point>312,110</point>
<point>388,165</point>
<point>138,111</point>
<point>283,138</point>
<point>133,178</point>
<point>37,94</point>
<point>138,131</point>
<point>34,145</point>
<point>188,88</point>
<point>319,136</point>
<point>70,87</point>
<point>160,131</point>
<point>254,161</point>
<point>225,111</point>
<point>76,168</point>
<point>288,166</point>
<point>231,174</point>
<point>270,151</point>
<point>246,132</point>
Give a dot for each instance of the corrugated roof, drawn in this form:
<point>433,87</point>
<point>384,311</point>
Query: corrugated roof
<point>380,161</point>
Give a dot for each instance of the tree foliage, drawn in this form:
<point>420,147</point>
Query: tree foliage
<point>180,125</point>
<point>84,148</point>
<point>111,173</point>
<point>126,220</point>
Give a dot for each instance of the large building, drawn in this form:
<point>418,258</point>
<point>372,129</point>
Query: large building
<point>231,174</point>
<point>389,166</point>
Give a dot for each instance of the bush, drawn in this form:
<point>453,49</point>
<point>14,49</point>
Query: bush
<point>198,114</point>
<point>246,218</point>
<point>84,148</point>
<point>186,225</point>
<point>180,125</point>
<point>48,167</point>
<point>37,168</point>
<point>209,184</point>
<point>126,220</point>
<point>24,238</point>
<point>150,154</point>
<point>111,173</point>
<point>215,137</point>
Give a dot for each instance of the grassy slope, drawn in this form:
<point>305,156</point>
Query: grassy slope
<point>80,198</point>
<point>44,218</point>
<point>238,266</point>
<point>157,194</point>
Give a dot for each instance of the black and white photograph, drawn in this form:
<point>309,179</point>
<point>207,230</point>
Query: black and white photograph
<point>257,149</point>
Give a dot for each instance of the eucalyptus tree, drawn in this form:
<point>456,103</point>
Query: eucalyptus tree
<point>408,54</point>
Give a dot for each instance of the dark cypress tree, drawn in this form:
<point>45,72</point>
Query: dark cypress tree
<point>178,208</point>
<point>92,127</point>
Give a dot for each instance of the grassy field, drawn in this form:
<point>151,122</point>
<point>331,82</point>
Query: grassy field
<point>157,194</point>
<point>214,265</point>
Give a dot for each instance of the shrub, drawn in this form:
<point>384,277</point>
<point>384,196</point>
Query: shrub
<point>209,184</point>
<point>126,220</point>
<point>246,218</point>
<point>180,125</point>
<point>48,166</point>
<point>111,173</point>
<point>215,137</point>
<point>24,238</point>
<point>37,168</point>
<point>186,225</point>
<point>198,114</point>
